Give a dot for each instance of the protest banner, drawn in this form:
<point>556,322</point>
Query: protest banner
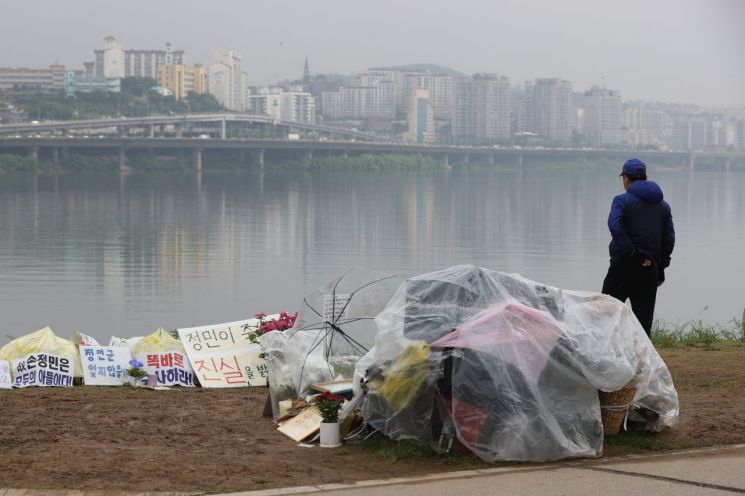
<point>223,355</point>
<point>104,365</point>
<point>43,369</point>
<point>170,367</point>
<point>5,380</point>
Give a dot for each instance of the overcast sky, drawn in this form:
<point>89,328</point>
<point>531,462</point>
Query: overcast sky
<point>688,51</point>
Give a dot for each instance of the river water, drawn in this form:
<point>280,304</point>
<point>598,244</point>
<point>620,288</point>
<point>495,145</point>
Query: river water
<point>122,255</point>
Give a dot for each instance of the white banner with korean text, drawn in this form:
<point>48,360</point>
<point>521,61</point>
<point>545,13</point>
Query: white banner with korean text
<point>104,365</point>
<point>5,381</point>
<point>170,367</point>
<point>43,369</point>
<point>223,355</point>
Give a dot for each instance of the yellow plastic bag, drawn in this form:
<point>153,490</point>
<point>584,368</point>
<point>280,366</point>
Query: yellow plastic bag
<point>159,341</point>
<point>407,373</point>
<point>42,341</point>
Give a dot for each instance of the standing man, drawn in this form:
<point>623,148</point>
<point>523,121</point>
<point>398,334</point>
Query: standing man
<point>641,225</point>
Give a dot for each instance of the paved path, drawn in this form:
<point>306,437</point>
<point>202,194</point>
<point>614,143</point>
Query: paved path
<point>702,472</point>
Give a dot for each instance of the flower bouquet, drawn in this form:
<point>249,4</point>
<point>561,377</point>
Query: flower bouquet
<point>135,372</point>
<point>284,322</point>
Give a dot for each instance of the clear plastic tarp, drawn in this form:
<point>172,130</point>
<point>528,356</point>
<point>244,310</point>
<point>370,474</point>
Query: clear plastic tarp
<point>505,367</point>
<point>334,328</point>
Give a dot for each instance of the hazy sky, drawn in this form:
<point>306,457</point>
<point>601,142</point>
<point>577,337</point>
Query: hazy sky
<point>690,51</point>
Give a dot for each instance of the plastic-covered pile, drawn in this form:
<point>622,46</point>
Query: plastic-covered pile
<point>42,341</point>
<point>159,341</point>
<point>334,328</point>
<point>505,367</point>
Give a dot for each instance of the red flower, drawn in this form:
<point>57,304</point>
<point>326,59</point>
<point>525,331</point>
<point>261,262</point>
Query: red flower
<point>284,322</point>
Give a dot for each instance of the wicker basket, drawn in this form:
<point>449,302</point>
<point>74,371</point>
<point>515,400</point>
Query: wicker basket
<point>614,407</point>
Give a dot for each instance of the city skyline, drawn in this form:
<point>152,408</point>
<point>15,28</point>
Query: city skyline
<point>673,51</point>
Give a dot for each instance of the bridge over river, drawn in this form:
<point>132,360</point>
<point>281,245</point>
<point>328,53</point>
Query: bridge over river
<point>198,138</point>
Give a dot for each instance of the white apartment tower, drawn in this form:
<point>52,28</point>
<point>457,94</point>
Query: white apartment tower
<point>110,60</point>
<point>647,125</point>
<point>289,106</point>
<point>114,61</point>
<point>550,110</point>
<point>439,88</point>
<point>227,81</point>
<point>603,117</point>
<point>481,109</point>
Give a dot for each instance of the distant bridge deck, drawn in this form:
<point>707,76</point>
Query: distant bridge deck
<point>52,146</point>
<point>181,122</point>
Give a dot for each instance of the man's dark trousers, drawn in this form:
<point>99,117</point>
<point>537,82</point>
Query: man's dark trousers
<point>628,279</point>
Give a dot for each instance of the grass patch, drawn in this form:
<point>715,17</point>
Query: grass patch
<point>631,442</point>
<point>697,333</point>
<point>409,451</point>
<point>389,450</point>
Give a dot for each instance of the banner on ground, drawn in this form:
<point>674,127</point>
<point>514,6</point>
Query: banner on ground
<point>104,365</point>
<point>43,369</point>
<point>170,367</point>
<point>223,355</point>
<point>5,381</point>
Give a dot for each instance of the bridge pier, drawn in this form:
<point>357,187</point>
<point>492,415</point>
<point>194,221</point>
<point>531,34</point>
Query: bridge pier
<point>691,161</point>
<point>179,130</point>
<point>151,130</point>
<point>466,159</point>
<point>491,159</point>
<point>33,152</point>
<point>260,157</point>
<point>55,155</point>
<point>446,161</point>
<point>309,157</point>
<point>519,160</point>
<point>198,160</point>
<point>123,160</point>
<point>223,131</point>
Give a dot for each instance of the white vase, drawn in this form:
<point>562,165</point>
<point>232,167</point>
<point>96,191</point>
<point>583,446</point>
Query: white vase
<point>330,435</point>
<point>134,381</point>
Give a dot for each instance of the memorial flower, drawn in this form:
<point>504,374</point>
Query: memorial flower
<point>135,369</point>
<point>329,406</point>
<point>264,325</point>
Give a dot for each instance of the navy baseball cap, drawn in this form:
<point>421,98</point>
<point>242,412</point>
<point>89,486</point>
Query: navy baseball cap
<point>634,168</point>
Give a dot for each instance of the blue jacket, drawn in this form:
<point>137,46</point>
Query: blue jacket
<point>641,224</point>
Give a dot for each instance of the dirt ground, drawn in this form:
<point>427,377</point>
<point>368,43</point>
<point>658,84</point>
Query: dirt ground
<point>202,440</point>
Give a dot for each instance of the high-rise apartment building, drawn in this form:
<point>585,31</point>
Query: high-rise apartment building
<point>439,88</point>
<point>116,61</point>
<point>386,84</point>
<point>739,137</point>
<point>699,133</point>
<point>421,118</point>
<point>289,106</point>
<point>481,109</point>
<point>548,109</point>
<point>390,88</point>
<point>647,125</point>
<point>182,80</point>
<point>603,117</point>
<point>227,81</point>
<point>357,102</point>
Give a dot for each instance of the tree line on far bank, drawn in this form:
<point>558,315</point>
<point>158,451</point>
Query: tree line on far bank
<point>136,99</point>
